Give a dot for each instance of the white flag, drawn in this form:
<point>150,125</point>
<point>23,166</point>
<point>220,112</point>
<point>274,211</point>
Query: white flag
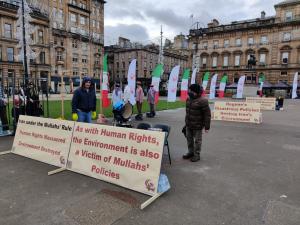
<point>295,86</point>
<point>193,80</point>
<point>131,81</point>
<point>240,88</point>
<point>172,85</point>
<point>213,83</point>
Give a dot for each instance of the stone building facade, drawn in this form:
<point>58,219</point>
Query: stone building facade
<point>274,41</point>
<point>120,56</point>
<point>67,39</point>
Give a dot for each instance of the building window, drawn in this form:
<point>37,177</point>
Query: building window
<point>123,65</point>
<point>73,17</point>
<point>225,61</point>
<point>204,62</point>
<point>214,61</point>
<point>288,16</point>
<point>41,37</point>
<point>286,36</point>
<point>94,23</point>
<point>262,58</point>
<point>75,71</point>
<point>98,25</point>
<point>7,30</point>
<point>75,58</point>
<point>284,74</point>
<point>10,54</point>
<point>226,43</point>
<point>216,44</point>
<point>74,44</point>
<point>250,41</point>
<point>238,42</point>
<point>85,71</point>
<point>264,40</point>
<point>42,58</point>
<point>84,46</point>
<point>59,56</point>
<point>83,20</point>
<point>82,5</point>
<point>285,57</point>
<point>237,60</point>
<point>84,59</point>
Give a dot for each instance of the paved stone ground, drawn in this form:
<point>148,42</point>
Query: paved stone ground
<point>248,175</point>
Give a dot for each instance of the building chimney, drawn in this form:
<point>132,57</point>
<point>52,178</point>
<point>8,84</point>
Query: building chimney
<point>263,15</point>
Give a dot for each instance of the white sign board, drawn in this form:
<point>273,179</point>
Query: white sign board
<point>126,157</point>
<point>45,140</point>
<point>237,112</point>
<point>266,103</point>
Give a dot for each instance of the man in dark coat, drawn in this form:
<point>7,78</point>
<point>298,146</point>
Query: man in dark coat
<point>198,117</point>
<point>84,102</point>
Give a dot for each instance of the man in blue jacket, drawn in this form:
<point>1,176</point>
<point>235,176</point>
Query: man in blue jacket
<point>84,102</point>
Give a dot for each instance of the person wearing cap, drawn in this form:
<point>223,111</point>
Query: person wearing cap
<point>84,102</point>
<point>197,119</point>
<point>117,94</point>
<point>151,100</point>
<point>139,100</point>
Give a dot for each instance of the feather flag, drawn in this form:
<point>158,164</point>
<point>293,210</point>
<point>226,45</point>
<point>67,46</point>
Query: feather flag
<point>193,80</point>
<point>184,85</point>
<point>223,86</point>
<point>240,88</point>
<point>156,74</point>
<point>261,81</point>
<point>212,94</point>
<point>295,86</point>
<point>205,82</point>
<point>105,99</point>
<point>131,78</point>
<point>172,85</point>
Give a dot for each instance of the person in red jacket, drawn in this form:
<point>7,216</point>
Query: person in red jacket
<point>197,119</point>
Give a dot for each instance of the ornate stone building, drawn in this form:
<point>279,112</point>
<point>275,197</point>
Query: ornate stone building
<point>67,39</point>
<point>274,41</point>
<point>120,56</point>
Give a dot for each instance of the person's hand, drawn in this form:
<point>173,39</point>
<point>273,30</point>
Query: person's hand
<point>206,131</point>
<point>94,115</point>
<point>74,116</point>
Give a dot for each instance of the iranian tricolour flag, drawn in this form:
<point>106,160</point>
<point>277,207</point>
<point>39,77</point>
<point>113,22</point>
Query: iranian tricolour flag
<point>105,99</point>
<point>223,86</point>
<point>295,86</point>
<point>193,79</point>
<point>184,85</point>
<point>261,81</point>
<point>156,74</point>
<point>205,82</point>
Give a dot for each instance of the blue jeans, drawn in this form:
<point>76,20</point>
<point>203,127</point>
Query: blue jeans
<point>85,117</point>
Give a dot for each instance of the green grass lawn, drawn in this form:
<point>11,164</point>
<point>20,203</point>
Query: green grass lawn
<point>55,108</point>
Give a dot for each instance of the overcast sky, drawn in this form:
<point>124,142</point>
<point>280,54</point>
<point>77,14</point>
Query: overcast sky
<point>140,20</point>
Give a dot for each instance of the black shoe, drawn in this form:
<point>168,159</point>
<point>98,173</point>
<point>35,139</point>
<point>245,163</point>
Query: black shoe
<point>195,158</point>
<point>188,155</point>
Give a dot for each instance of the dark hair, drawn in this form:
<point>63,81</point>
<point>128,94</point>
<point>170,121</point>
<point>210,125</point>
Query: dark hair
<point>196,88</point>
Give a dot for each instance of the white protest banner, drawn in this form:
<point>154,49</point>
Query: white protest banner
<point>44,140</point>
<point>193,79</point>
<point>295,86</point>
<point>126,157</point>
<point>266,103</point>
<point>240,88</point>
<point>131,77</point>
<point>237,112</point>
<point>172,85</point>
<point>212,93</point>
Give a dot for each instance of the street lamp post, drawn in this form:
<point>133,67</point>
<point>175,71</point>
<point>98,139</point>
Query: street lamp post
<point>24,46</point>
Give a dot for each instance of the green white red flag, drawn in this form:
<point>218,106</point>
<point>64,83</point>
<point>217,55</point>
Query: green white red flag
<point>156,74</point>
<point>205,82</point>
<point>172,85</point>
<point>223,86</point>
<point>261,81</point>
<point>193,79</point>
<point>213,83</point>
<point>184,85</point>
<point>104,88</point>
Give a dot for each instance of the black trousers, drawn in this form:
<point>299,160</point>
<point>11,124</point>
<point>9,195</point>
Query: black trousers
<point>3,117</point>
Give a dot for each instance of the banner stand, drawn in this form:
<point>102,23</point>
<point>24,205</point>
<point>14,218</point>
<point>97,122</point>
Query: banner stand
<point>5,152</point>
<point>150,200</point>
<point>59,170</point>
